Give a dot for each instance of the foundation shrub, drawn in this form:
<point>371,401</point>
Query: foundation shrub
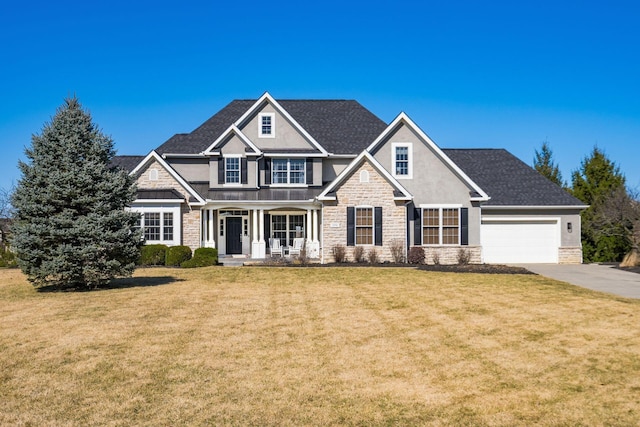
<point>202,257</point>
<point>358,254</point>
<point>176,255</point>
<point>416,255</point>
<point>397,251</point>
<point>153,255</point>
<point>373,256</point>
<point>464,256</point>
<point>339,253</point>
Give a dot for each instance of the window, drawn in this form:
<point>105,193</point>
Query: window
<point>401,160</point>
<point>153,174</point>
<point>158,226</point>
<point>232,170</point>
<point>287,227</point>
<point>288,171</point>
<point>266,123</point>
<point>364,226</point>
<point>152,226</point>
<point>441,226</point>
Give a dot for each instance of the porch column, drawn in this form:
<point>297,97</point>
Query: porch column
<point>313,246</point>
<point>315,225</point>
<point>211,241</point>
<point>258,248</point>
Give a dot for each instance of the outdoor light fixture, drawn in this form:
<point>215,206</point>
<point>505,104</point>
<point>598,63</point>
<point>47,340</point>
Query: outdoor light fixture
<point>569,227</point>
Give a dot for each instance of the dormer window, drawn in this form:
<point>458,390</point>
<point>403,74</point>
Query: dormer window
<point>232,170</point>
<point>266,125</point>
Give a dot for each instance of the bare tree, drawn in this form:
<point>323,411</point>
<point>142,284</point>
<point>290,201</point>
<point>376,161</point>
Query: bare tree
<point>618,214</point>
<point>6,212</point>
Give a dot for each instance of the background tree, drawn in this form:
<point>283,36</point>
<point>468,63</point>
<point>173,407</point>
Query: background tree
<point>543,163</point>
<point>595,182</point>
<point>70,227</point>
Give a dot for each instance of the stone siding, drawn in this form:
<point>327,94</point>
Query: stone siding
<point>190,218</point>
<point>448,255</point>
<point>570,255</point>
<point>375,193</point>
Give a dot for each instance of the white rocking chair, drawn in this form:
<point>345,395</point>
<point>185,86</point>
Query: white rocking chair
<point>298,245</point>
<point>276,248</point>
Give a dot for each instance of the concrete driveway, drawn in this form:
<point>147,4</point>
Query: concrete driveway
<point>603,278</point>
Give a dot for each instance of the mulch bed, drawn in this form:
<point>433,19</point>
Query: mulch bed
<point>630,269</point>
<point>476,268</point>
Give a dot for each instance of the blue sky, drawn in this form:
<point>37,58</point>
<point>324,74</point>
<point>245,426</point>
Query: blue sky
<point>507,74</point>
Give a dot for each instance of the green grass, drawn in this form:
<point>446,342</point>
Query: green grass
<point>318,346</point>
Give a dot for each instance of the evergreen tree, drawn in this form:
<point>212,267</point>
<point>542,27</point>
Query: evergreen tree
<point>597,180</point>
<point>543,163</point>
<point>71,228</point>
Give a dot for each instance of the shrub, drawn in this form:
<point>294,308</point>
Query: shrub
<point>373,256</point>
<point>463,257</point>
<point>302,258</point>
<point>416,255</point>
<point>358,254</point>
<point>153,255</point>
<point>7,258</point>
<point>202,257</point>
<point>339,253</point>
<point>435,257</point>
<point>397,251</point>
<point>176,255</point>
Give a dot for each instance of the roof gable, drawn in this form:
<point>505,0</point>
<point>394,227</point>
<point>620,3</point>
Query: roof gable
<point>400,193</point>
<point>478,194</point>
<point>230,132</point>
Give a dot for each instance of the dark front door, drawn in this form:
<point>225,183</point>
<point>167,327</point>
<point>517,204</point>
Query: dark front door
<point>234,235</point>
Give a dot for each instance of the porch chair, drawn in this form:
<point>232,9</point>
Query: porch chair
<point>276,248</point>
<point>298,245</point>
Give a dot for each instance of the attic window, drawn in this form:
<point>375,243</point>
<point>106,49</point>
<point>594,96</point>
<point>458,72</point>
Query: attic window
<point>364,176</point>
<point>153,174</point>
<point>266,125</point>
<point>401,153</point>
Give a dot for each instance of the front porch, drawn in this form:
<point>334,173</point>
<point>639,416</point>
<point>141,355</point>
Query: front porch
<point>245,231</point>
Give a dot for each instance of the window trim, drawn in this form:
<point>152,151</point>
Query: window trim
<point>261,134</point>
<point>162,210</point>
<point>356,226</point>
<point>233,184</point>
<point>288,171</point>
<point>409,147</point>
<point>441,227</point>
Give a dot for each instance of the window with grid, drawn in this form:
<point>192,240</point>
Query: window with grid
<point>167,226</point>
<point>279,228</point>
<point>288,171</point>
<point>364,226</point>
<point>441,226</point>
<point>266,125</point>
<point>287,227</point>
<point>402,160</point>
<point>152,226</point>
<point>232,170</point>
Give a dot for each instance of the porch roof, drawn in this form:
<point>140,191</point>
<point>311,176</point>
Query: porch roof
<point>262,195</point>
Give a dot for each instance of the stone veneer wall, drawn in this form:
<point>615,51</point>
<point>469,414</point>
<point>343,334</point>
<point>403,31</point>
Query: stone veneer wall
<point>190,218</point>
<point>376,193</point>
<point>448,255</point>
<point>570,255</point>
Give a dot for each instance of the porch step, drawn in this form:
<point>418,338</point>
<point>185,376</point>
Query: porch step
<point>232,260</point>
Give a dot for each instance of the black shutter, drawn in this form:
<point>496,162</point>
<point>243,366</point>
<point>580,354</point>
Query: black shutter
<point>267,228</point>
<point>377,218</point>
<point>309,171</point>
<point>464,226</point>
<point>243,170</point>
<point>267,171</point>
<point>417,226</point>
<point>351,226</point>
<point>220,170</point>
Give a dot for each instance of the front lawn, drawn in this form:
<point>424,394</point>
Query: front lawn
<point>318,346</point>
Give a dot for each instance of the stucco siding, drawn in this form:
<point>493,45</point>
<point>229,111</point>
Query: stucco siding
<point>286,135</point>
<point>191,169</point>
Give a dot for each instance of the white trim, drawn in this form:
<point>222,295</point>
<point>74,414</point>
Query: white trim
<point>153,155</point>
<point>233,129</point>
<point>537,219</point>
<point>232,184</point>
<point>445,206</point>
<point>273,125</point>
<point>409,146</point>
<point>372,226</point>
<point>292,155</point>
<point>266,97</point>
<point>441,225</point>
<point>184,156</point>
<point>176,218</point>
<point>365,155</point>
<point>403,118</point>
<point>523,207</point>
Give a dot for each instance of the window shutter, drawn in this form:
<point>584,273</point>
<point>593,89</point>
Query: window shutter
<point>377,218</point>
<point>267,228</point>
<point>464,226</point>
<point>309,171</point>
<point>243,170</point>
<point>351,226</point>
<point>220,170</point>
<point>417,226</point>
<point>267,171</point>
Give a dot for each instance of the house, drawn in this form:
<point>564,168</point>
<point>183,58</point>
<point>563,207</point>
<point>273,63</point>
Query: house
<point>333,173</point>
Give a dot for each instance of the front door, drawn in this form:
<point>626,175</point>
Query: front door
<point>234,235</point>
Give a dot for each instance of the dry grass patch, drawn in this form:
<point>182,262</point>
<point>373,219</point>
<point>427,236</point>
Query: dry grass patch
<point>341,346</point>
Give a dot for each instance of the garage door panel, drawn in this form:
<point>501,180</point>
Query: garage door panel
<point>520,242</point>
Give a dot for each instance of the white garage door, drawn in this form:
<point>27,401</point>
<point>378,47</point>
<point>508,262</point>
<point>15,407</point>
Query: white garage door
<point>520,241</point>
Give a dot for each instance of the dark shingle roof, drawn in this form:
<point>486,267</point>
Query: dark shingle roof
<point>508,180</point>
<point>262,194</point>
<point>339,126</point>
<point>127,163</point>
<point>159,194</point>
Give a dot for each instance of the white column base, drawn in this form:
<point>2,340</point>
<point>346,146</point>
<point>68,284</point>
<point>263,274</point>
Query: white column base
<point>313,249</point>
<point>258,250</point>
